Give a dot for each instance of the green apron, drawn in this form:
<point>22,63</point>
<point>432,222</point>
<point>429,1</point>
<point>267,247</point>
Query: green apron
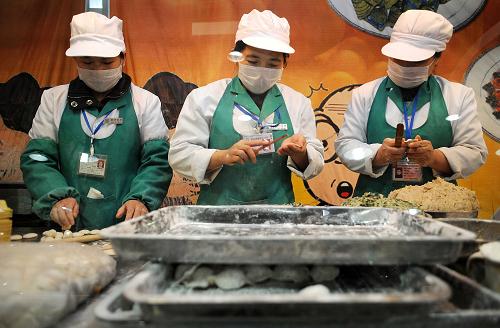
<point>123,151</point>
<point>266,182</point>
<point>436,129</point>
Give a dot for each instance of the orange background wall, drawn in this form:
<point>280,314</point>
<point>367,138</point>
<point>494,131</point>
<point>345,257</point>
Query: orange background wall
<point>159,36</point>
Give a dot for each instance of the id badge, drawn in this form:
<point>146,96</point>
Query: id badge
<point>265,137</point>
<point>94,166</point>
<point>407,171</point>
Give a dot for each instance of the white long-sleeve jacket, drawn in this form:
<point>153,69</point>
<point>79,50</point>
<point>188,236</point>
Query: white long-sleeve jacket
<point>467,153</point>
<point>189,154</point>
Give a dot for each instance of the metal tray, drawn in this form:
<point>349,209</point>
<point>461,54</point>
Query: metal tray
<point>471,305</point>
<point>485,230</point>
<point>372,292</point>
<point>287,235</point>
<point>471,214</point>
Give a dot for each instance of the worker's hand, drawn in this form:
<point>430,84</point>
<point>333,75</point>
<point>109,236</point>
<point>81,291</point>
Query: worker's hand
<point>421,152</point>
<point>388,153</point>
<point>293,146</point>
<point>296,148</point>
<point>64,212</point>
<point>242,151</point>
<point>131,209</point>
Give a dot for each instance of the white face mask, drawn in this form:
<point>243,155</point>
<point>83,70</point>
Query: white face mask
<point>259,79</point>
<point>100,80</point>
<point>407,77</point>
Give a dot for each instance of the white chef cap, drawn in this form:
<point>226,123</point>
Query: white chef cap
<point>418,35</point>
<point>265,30</point>
<point>95,35</point>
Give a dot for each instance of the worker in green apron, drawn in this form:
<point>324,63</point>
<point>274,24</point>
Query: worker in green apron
<point>98,150</point>
<point>241,138</point>
<point>442,133</point>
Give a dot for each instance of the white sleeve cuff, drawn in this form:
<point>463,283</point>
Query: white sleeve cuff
<point>369,169</point>
<point>315,166</point>
<point>200,165</point>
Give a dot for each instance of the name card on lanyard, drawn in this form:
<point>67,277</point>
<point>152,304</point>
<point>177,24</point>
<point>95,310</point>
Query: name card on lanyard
<point>93,164</point>
<point>406,170</point>
<point>263,131</point>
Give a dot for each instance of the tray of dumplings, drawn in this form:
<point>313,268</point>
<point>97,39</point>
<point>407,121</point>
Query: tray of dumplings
<point>287,235</point>
<point>166,292</point>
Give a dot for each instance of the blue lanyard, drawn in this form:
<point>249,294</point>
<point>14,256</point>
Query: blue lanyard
<point>409,125</point>
<point>93,133</point>
<point>256,118</point>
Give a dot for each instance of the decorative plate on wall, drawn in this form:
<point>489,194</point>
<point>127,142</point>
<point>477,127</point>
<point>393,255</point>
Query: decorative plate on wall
<point>484,77</point>
<point>378,16</point>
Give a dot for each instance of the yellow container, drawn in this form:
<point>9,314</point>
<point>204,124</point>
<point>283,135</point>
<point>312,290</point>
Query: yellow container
<point>5,221</point>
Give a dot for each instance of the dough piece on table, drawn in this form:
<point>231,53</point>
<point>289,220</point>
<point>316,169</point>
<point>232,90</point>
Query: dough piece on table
<point>67,234</point>
<point>15,237</point>
<point>50,233</point>
<point>30,235</point>
<point>78,234</point>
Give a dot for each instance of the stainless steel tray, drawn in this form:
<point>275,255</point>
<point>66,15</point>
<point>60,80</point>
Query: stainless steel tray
<point>486,230</point>
<point>370,292</point>
<point>471,214</point>
<point>471,305</point>
<point>287,235</point>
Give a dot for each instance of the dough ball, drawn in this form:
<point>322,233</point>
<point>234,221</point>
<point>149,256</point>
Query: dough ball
<point>16,237</point>
<point>84,232</point>
<point>78,234</point>
<point>30,235</point>
<point>230,279</point>
<point>67,234</point>
<point>59,235</point>
<point>50,233</point>
<point>315,291</point>
<point>201,278</point>
<point>257,273</point>
<point>291,273</point>
<point>322,273</point>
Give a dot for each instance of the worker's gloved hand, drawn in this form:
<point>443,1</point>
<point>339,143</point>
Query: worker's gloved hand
<point>64,212</point>
<point>131,209</point>
<point>388,153</point>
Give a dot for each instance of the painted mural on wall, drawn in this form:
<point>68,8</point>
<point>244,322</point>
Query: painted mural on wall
<point>484,77</point>
<point>377,17</point>
<point>335,183</point>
